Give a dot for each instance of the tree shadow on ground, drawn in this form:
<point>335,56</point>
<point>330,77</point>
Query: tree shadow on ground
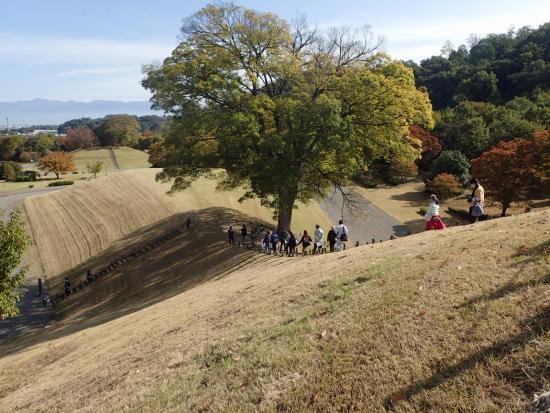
<point>414,199</point>
<point>179,264</point>
<point>533,328</point>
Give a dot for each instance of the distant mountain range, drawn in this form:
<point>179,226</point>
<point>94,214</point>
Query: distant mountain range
<point>54,112</point>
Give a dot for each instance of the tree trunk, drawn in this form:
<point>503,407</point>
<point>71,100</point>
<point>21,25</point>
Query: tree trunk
<point>57,175</point>
<point>284,218</point>
<point>287,197</point>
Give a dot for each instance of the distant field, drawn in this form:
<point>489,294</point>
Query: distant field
<point>84,157</point>
<point>127,158</point>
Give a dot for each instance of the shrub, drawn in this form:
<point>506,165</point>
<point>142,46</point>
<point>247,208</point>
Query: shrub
<point>401,170</point>
<point>453,162</point>
<point>61,183</point>
<point>75,172</point>
<point>445,185</point>
<point>31,186</point>
<point>9,171</point>
<point>23,178</point>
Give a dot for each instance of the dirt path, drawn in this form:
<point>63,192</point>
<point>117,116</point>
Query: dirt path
<point>113,158</point>
<point>366,221</point>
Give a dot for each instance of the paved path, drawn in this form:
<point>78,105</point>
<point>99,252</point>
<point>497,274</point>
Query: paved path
<point>113,159</point>
<point>32,314</point>
<point>365,221</point>
<point>14,199</point>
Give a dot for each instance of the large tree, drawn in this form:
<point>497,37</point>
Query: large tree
<point>118,130</point>
<point>13,240</point>
<point>288,112</point>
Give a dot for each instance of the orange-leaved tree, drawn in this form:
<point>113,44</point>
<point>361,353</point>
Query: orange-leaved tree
<point>445,185</point>
<point>57,162</point>
<point>509,170</point>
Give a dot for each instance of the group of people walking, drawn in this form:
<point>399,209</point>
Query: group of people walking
<point>475,212</point>
<point>285,242</point>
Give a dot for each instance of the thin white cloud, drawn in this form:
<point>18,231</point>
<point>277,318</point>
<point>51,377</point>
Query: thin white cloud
<point>80,50</point>
<point>97,71</point>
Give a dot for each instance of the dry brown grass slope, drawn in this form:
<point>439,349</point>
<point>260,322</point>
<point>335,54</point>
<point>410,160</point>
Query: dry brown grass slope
<point>449,321</point>
<point>75,224</point>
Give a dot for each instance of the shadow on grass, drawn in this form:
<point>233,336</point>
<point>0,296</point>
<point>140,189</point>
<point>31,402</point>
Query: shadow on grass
<point>533,328</point>
<point>505,290</point>
<point>181,263</point>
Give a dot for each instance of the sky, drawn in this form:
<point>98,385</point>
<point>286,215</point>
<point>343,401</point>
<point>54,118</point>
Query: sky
<point>94,50</point>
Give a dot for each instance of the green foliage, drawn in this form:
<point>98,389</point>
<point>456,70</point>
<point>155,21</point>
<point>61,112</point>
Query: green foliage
<point>65,127</point>
<point>453,162</point>
<point>118,130</point>
<point>401,170</point>
<point>495,69</point>
<point>147,123</point>
<point>9,147</point>
<point>147,140</point>
<point>13,241</point>
<point>152,123</point>
<point>287,113</point>
<point>45,143</point>
<point>480,87</point>
<point>464,128</point>
<point>9,171</point>
<point>60,183</point>
<point>95,168</point>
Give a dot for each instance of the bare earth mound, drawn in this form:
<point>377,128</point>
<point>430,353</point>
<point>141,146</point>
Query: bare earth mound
<point>448,321</point>
<point>75,224</point>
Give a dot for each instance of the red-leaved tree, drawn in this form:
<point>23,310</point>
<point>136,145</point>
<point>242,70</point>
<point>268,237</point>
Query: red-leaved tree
<point>431,148</point>
<point>509,170</point>
<point>80,138</point>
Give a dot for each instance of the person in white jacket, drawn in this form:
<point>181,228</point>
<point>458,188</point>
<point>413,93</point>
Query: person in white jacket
<point>341,235</point>
<point>318,239</point>
<point>432,218</point>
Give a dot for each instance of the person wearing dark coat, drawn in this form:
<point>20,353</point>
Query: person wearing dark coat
<point>331,238</point>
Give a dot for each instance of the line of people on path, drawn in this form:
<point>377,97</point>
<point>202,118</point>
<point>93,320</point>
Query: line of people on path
<point>475,212</point>
<point>283,242</point>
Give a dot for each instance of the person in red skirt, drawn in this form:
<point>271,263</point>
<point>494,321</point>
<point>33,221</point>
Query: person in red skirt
<point>432,218</point>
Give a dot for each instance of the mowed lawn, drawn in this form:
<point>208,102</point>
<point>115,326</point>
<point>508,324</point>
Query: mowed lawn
<point>129,158</point>
<point>83,157</point>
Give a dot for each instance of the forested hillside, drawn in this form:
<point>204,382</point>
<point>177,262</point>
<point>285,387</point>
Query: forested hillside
<point>495,69</point>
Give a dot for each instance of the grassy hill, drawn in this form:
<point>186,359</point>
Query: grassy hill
<point>449,321</point>
<point>75,224</point>
<point>125,158</point>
